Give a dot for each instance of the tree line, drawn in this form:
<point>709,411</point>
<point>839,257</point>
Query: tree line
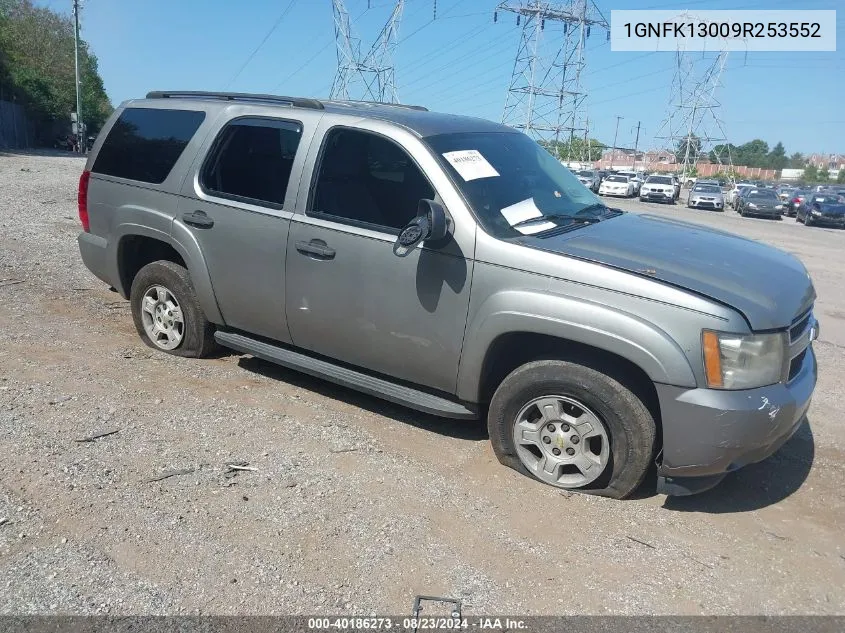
<point>37,69</point>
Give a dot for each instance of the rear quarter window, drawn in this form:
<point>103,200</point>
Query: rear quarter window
<point>145,143</point>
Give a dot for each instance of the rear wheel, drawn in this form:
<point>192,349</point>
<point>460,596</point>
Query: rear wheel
<point>167,313</point>
<point>572,426</point>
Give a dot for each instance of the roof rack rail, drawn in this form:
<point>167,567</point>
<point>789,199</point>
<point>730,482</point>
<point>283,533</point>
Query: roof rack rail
<point>407,106</point>
<point>297,102</point>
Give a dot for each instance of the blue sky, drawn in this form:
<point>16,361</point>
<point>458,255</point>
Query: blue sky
<point>460,62</point>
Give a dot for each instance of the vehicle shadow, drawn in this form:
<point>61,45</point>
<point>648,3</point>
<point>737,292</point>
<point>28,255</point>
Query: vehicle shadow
<point>757,485</point>
<point>471,430</point>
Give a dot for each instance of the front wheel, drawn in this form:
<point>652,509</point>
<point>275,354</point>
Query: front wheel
<point>167,313</point>
<point>572,426</point>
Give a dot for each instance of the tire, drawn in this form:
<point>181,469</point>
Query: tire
<point>627,423</point>
<point>807,220</point>
<point>197,333</point>
<point>642,199</point>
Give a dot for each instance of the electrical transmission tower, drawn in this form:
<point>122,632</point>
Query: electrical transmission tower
<point>693,127</point>
<point>370,75</point>
<point>545,98</point>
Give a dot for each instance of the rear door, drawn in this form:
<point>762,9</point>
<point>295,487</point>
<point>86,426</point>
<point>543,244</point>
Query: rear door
<point>237,206</point>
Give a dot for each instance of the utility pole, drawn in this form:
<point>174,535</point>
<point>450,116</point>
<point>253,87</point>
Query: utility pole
<point>79,132</point>
<point>636,143</point>
<point>615,135</point>
<point>587,147</point>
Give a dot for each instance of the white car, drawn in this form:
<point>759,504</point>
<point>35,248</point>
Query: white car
<point>637,177</point>
<point>617,185</point>
<point>659,189</point>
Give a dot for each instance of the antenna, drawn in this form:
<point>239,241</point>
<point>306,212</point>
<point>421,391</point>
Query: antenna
<point>545,97</point>
<point>366,76</point>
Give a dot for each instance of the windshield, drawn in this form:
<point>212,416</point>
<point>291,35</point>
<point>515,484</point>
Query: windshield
<point>508,178</point>
<point>588,174</point>
<point>762,195</point>
<point>707,189</point>
<point>659,180</point>
<point>617,179</point>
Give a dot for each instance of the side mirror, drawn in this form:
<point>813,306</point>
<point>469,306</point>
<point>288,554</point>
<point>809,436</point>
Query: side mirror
<point>430,224</point>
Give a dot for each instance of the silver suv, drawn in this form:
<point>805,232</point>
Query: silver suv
<point>454,266</point>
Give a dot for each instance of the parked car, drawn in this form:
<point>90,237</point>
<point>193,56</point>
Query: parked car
<point>636,177</point>
<point>743,190</point>
<point>822,208</point>
<point>791,205</point>
<point>730,196</point>
<point>706,196</point>
<point>617,185</point>
<point>590,179</point>
<point>451,265</point>
<point>760,202</point>
<point>785,192</point>
<point>658,189</point>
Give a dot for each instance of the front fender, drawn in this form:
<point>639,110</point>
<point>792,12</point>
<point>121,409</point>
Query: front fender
<point>577,320</point>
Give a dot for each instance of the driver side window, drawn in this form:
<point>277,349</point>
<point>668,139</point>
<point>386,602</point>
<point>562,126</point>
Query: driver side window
<point>364,178</point>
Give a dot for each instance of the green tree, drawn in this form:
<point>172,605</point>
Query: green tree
<point>37,66</point>
<point>688,148</point>
<point>840,178</point>
<point>824,175</point>
<point>811,174</point>
<point>777,157</point>
<point>576,151</point>
<point>752,154</point>
<point>796,161</point>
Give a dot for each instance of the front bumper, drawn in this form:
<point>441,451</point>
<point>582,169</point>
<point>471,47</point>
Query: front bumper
<point>829,220</point>
<point>658,196</point>
<point>707,204</point>
<point>708,433</point>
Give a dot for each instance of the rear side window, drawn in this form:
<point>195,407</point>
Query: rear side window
<point>145,143</point>
<point>251,160</point>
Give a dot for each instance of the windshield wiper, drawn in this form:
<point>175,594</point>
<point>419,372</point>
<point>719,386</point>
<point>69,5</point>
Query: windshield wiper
<point>558,216</point>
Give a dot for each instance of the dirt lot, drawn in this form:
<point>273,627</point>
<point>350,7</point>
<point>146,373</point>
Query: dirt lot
<point>357,505</point>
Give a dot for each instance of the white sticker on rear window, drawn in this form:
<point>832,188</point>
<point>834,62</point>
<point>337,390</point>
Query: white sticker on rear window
<point>470,164</point>
<point>526,210</point>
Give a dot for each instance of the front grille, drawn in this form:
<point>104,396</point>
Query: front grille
<point>795,364</point>
<point>796,330</point>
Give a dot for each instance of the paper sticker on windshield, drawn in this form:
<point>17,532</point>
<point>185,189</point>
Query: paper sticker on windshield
<point>470,164</point>
<point>526,210</point>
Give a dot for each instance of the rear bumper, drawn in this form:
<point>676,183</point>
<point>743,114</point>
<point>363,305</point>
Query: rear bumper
<point>94,252</point>
<point>708,433</point>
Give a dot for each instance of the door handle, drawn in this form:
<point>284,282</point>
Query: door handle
<point>198,219</point>
<point>316,248</point>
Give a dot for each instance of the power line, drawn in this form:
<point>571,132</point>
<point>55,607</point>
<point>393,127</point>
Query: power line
<point>261,44</point>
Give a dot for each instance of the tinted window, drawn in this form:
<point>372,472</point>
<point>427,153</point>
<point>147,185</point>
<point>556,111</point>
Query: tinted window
<point>145,143</point>
<point>252,160</point>
<point>617,179</point>
<point>366,178</point>
<point>658,180</point>
<point>707,189</point>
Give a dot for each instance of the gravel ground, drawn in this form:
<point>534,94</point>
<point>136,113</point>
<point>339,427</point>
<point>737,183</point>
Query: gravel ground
<point>356,505</point>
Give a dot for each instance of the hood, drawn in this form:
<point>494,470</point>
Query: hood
<point>769,286</point>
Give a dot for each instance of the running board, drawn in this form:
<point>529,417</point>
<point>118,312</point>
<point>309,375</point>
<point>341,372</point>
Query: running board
<point>378,387</point>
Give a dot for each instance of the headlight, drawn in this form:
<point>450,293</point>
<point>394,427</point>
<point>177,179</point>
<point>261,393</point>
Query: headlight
<point>751,205</point>
<point>816,212</point>
<point>743,361</point>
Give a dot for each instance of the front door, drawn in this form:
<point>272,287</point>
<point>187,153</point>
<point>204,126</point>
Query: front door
<point>348,296</point>
<point>235,209</point>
